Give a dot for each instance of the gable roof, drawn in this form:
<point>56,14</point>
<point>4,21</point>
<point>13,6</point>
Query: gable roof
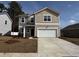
<point>7,15</point>
<point>48,9</point>
<point>23,15</point>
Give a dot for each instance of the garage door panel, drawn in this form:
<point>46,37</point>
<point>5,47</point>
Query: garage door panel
<point>46,33</point>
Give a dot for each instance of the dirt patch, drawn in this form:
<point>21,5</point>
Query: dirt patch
<point>72,40</point>
<point>11,41</point>
<point>18,45</point>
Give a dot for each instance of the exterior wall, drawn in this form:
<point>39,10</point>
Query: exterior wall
<point>20,21</point>
<point>21,24</point>
<point>27,21</point>
<point>41,24</point>
<point>4,28</point>
<point>28,24</point>
<point>39,17</point>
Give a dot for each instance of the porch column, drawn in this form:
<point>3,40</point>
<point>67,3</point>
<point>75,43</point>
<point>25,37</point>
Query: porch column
<point>24,32</point>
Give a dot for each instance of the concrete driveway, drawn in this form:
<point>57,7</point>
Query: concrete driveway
<point>50,47</point>
<point>56,47</point>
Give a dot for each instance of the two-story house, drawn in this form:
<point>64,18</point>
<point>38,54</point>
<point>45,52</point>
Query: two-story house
<point>43,23</point>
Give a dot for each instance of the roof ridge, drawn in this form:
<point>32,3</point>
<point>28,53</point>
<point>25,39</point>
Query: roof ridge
<point>46,8</point>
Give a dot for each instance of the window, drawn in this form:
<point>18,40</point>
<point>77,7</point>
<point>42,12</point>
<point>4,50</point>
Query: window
<point>5,21</point>
<point>22,19</point>
<point>32,19</point>
<point>47,18</point>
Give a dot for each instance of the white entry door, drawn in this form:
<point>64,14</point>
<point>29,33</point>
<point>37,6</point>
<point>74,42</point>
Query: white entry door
<point>46,33</point>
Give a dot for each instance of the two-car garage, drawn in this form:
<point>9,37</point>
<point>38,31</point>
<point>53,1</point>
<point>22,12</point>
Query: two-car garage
<point>46,33</point>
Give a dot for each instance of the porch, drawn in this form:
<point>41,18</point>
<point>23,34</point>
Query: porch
<point>27,31</point>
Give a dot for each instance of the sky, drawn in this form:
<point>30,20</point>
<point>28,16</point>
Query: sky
<point>68,10</point>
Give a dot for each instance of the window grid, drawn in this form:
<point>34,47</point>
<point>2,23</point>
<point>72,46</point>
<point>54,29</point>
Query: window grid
<point>47,18</point>
<point>22,19</point>
<point>5,21</point>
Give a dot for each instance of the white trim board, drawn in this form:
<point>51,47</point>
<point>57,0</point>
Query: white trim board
<point>46,23</point>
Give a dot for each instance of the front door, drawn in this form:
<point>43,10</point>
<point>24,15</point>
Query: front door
<point>32,32</point>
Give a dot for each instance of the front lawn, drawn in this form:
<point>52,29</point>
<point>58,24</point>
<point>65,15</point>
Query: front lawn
<point>72,40</point>
<point>17,45</point>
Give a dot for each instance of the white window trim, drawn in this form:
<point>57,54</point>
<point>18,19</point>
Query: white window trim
<point>47,15</point>
<point>5,22</point>
<point>21,19</point>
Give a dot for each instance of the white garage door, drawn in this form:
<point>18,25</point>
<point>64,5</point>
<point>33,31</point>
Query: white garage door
<point>46,33</point>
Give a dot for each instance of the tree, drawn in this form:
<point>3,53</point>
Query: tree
<point>2,7</point>
<point>14,10</point>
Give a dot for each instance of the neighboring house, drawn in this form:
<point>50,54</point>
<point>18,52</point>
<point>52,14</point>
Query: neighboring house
<point>70,31</point>
<point>43,23</point>
<point>5,23</point>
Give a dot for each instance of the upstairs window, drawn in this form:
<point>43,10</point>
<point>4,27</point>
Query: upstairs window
<point>22,19</point>
<point>32,19</point>
<point>47,18</point>
<point>5,21</point>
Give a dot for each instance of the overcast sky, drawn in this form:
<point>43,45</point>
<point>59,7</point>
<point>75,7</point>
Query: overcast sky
<point>69,11</point>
